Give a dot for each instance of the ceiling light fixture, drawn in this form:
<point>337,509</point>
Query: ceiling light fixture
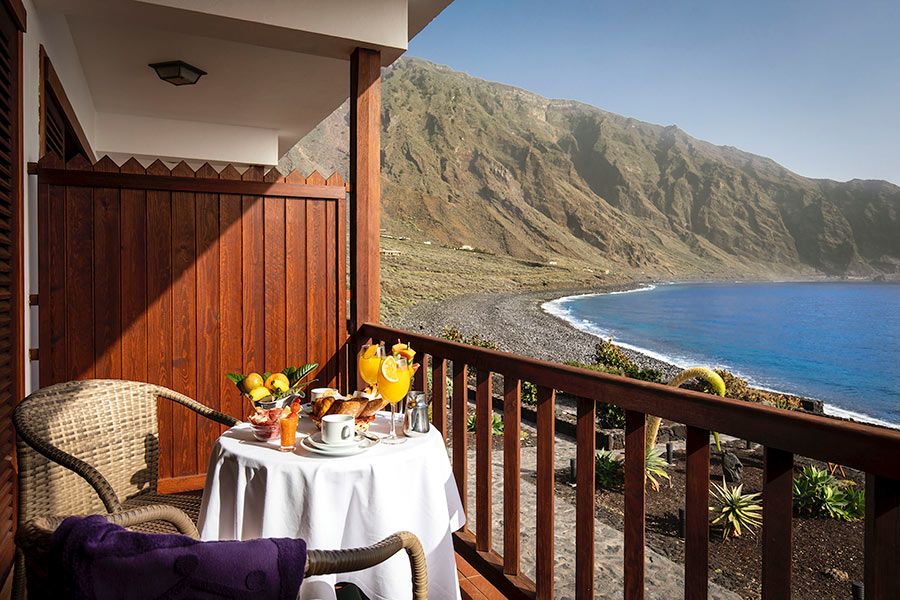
<point>177,72</point>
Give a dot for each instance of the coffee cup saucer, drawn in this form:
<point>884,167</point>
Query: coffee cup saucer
<point>364,443</point>
<point>317,441</point>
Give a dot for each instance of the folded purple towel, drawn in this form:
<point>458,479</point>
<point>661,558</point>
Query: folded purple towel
<point>94,559</point>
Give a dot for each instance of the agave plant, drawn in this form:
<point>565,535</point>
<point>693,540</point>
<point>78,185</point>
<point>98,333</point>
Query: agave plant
<point>496,424</point>
<point>609,471</point>
<point>736,511</point>
<point>709,376</point>
<point>818,494</point>
<point>655,467</point>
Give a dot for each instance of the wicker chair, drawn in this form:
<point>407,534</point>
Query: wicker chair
<point>33,540</point>
<point>92,446</point>
<point>86,446</point>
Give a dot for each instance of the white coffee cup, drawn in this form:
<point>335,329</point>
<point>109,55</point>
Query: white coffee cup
<point>338,430</point>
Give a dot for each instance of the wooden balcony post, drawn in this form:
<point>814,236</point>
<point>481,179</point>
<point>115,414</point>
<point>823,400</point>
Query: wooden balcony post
<point>365,182</point>
<point>544,531</point>
<point>882,541</point>
<point>635,504</point>
<point>778,477</point>
<point>696,539</point>
<point>585,450</point>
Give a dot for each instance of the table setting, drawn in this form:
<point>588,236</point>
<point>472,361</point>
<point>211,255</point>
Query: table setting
<point>341,471</point>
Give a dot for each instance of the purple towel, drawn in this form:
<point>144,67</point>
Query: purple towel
<point>95,560</point>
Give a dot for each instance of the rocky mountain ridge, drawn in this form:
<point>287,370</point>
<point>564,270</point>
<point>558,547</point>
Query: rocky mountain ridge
<point>471,162</point>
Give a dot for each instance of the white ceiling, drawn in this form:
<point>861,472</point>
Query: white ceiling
<point>245,85</point>
<point>260,74</point>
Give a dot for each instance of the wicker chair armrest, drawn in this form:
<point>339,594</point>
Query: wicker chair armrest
<point>35,536</point>
<point>28,434</point>
<point>322,562</point>
<point>156,512</point>
<point>197,407</point>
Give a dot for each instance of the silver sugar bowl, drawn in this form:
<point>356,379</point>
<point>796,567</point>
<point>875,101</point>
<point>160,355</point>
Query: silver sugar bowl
<point>415,415</point>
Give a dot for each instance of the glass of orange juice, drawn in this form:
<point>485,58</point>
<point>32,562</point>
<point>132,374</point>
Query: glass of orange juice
<point>288,426</point>
<point>369,362</point>
<point>394,379</point>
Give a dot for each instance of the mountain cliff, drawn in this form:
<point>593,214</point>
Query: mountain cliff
<point>471,162</point>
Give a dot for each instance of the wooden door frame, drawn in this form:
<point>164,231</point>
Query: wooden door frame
<point>365,195</point>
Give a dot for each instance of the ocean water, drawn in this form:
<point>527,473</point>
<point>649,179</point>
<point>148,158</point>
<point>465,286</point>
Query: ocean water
<point>838,342</point>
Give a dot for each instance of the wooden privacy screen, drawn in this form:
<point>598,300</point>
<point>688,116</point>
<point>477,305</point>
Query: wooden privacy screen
<point>176,277</point>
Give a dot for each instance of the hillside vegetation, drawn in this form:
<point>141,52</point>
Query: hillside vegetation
<point>471,162</point>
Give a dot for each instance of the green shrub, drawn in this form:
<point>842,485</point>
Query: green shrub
<point>780,402</point>
<point>529,393</point>
<point>818,494</point>
<point>856,501</point>
<point>453,334</point>
<point>655,467</point>
<point>610,356</point>
<point>609,470</point>
<point>735,511</point>
<point>611,416</point>
<point>496,424</point>
<point>609,370</point>
<point>739,389</point>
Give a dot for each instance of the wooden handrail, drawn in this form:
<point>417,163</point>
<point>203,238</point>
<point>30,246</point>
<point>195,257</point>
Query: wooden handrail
<point>865,447</point>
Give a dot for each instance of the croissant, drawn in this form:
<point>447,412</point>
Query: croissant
<point>321,406</point>
<point>372,407</point>
<point>362,406</point>
<point>349,406</point>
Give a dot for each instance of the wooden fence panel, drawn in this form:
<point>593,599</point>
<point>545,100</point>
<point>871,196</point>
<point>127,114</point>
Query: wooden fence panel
<point>176,277</point>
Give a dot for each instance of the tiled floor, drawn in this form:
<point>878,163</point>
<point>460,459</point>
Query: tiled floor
<point>472,585</point>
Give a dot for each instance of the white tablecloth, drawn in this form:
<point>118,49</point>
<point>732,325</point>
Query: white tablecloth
<point>253,490</point>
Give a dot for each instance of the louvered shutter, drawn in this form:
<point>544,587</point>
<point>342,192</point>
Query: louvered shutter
<point>54,128</point>
<point>10,289</point>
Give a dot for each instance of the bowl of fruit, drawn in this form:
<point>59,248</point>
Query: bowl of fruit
<point>269,394</point>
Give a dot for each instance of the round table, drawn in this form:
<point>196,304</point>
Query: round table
<point>254,490</point>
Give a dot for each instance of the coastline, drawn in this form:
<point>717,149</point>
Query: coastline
<point>516,323</point>
<point>534,323</point>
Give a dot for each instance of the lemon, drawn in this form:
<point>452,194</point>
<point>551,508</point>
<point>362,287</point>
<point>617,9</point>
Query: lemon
<point>252,381</point>
<point>370,352</point>
<point>258,393</point>
<point>389,369</point>
<point>278,381</point>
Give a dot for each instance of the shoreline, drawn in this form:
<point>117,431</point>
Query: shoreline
<point>519,322</point>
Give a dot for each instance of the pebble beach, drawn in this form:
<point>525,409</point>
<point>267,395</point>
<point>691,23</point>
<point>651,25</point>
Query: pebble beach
<point>516,323</point>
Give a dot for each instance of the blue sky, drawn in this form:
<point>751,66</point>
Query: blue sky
<point>814,85</point>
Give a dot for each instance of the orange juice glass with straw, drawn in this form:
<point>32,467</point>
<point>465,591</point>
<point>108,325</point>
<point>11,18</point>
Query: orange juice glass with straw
<point>369,362</point>
<point>394,379</point>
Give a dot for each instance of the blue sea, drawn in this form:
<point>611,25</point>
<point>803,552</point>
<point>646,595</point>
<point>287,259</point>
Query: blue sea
<point>837,342</point>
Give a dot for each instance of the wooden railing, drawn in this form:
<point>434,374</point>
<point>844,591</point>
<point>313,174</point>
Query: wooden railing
<point>784,434</point>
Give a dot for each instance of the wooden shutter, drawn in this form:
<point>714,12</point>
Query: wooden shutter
<point>54,128</point>
<point>11,299</point>
<point>59,130</point>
